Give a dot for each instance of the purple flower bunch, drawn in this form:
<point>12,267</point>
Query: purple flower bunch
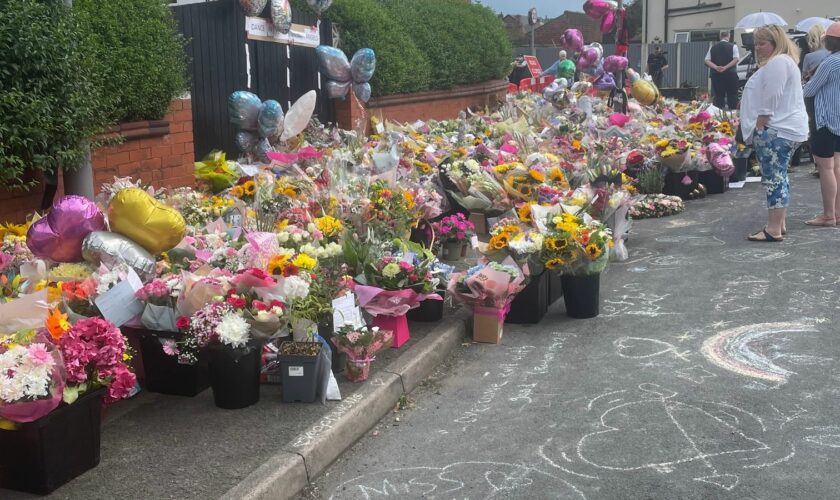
<point>455,228</point>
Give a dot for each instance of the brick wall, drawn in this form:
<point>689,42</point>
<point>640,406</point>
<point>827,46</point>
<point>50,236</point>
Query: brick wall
<point>435,105</point>
<point>160,152</point>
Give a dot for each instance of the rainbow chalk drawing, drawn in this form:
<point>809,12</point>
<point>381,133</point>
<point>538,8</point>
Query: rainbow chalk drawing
<point>732,350</point>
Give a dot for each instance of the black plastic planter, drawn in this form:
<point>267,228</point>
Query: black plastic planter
<point>42,455</point>
<point>300,376</point>
<point>339,359</point>
<point>530,305</point>
<point>429,311</point>
<point>582,295</point>
<point>715,184</point>
<point>741,165</point>
<point>555,288</point>
<point>235,376</point>
<point>674,184</point>
<point>164,374</point>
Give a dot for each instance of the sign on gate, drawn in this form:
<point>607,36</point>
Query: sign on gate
<point>534,66</point>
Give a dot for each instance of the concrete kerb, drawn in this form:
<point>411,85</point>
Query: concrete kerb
<point>305,457</point>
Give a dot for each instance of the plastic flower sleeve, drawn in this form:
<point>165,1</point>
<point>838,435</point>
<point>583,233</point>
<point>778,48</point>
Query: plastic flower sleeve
<point>42,355</point>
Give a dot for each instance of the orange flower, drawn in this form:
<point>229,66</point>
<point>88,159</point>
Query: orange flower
<point>57,324</point>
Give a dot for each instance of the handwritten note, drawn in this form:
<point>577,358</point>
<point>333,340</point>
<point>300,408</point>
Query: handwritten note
<point>345,310</point>
<point>118,305</point>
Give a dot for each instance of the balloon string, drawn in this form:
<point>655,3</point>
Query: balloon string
<point>361,123</point>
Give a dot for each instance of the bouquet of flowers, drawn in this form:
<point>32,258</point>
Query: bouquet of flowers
<point>360,345</point>
<point>574,246</point>
<point>474,188</point>
<point>160,297</point>
<point>251,286</point>
<point>656,205</point>
<point>77,298</point>
<point>455,228</point>
<point>489,287</point>
<point>390,212</point>
<point>215,323</point>
<point>31,377</point>
<point>672,152</point>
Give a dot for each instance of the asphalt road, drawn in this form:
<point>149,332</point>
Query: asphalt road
<point>711,373</point>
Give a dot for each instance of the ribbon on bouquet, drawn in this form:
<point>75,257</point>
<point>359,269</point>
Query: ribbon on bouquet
<point>498,312</point>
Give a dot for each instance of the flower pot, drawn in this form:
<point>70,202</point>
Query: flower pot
<point>235,376</point>
<point>165,374</point>
<point>581,295</point>
<point>530,305</point>
<point>300,374</point>
<point>325,330</point>
<point>674,184</point>
<point>40,456</point>
<point>555,287</point>
<point>715,184</point>
<point>454,250</point>
<point>429,311</point>
<point>741,166</point>
<point>396,324</point>
<point>357,370</point>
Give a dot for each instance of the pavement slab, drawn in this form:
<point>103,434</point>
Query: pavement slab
<point>711,373</point>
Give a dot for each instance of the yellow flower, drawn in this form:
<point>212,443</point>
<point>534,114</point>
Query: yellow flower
<point>662,143</point>
<point>281,225</point>
<point>304,261</point>
<point>669,151</point>
<point>537,175</point>
<point>556,175</point>
<point>278,263</point>
<point>328,225</point>
<point>524,213</point>
<point>249,188</point>
<point>556,244</point>
<point>13,229</point>
<point>499,241</point>
<point>554,263</point>
<point>237,191</point>
<point>593,251</point>
<point>409,199</point>
<point>576,144</point>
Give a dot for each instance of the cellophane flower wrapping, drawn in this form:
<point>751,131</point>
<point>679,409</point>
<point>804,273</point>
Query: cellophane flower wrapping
<point>31,378</point>
<point>361,344</point>
<point>488,284</point>
<point>379,302</point>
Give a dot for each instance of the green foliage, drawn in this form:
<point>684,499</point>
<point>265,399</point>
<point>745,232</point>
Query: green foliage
<point>400,66</point>
<point>51,100</point>
<point>464,43</point>
<point>651,181</point>
<point>139,48</point>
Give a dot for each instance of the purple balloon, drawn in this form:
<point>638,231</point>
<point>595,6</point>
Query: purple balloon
<point>615,63</point>
<point>572,40</point>
<point>588,59</point>
<point>596,9</point>
<point>59,235</point>
<point>608,22</point>
<point>605,82</point>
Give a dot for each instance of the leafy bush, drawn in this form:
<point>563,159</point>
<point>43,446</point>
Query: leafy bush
<point>51,100</point>
<point>651,181</point>
<point>464,43</point>
<point>400,66</point>
<point>138,46</point>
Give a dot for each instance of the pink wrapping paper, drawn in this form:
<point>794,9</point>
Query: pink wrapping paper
<point>498,312</point>
<point>379,302</point>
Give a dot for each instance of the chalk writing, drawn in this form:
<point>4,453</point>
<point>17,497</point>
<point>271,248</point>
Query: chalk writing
<point>642,348</point>
<point>327,422</point>
<point>808,277</point>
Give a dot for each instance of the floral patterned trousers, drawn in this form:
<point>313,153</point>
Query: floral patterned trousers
<point>773,154</point>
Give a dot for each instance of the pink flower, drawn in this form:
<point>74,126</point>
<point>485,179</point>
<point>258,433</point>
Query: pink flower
<point>39,355</point>
<point>406,266</point>
<point>182,323</point>
<point>170,347</point>
<point>122,383</point>
<point>461,235</point>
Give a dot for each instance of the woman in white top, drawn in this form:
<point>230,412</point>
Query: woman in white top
<point>774,121</point>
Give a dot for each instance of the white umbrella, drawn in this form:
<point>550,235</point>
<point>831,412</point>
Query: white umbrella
<point>759,19</point>
<point>806,24</point>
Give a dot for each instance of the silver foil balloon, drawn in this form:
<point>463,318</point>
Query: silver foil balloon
<point>112,248</point>
<point>244,109</point>
<point>247,142</point>
<point>363,65</point>
<point>262,148</point>
<point>281,15</point>
<point>334,63</point>
<point>362,91</point>
<point>252,7</point>
<point>338,90</point>
<point>319,6</point>
<point>270,119</point>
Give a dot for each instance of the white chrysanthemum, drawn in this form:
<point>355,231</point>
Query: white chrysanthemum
<point>21,378</point>
<point>233,330</point>
<point>293,287</point>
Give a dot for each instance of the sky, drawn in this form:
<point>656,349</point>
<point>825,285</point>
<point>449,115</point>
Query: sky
<point>545,8</point>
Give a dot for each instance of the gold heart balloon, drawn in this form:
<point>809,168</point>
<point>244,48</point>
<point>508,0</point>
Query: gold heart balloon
<point>149,223</point>
<point>645,92</point>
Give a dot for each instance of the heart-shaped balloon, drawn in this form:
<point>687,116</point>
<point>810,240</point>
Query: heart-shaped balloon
<point>334,63</point>
<point>246,141</point>
<point>59,235</point>
<point>608,22</point>
<point>572,40</point>
<point>362,91</point>
<point>252,7</point>
<point>112,249</point>
<point>319,6</point>
<point>645,92</point>
<point>605,81</point>
<point>596,9</point>
<point>270,119</point>
<point>281,15</point>
<point>338,90</point>
<point>244,109</point>
<point>615,63</point>
<point>363,65</point>
<point>146,221</point>
<point>297,119</point>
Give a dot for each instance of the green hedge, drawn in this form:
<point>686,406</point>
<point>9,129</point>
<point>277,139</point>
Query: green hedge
<point>464,43</point>
<point>138,46</point>
<point>51,99</point>
<point>400,65</point>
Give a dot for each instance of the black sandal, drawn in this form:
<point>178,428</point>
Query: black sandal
<point>768,238</point>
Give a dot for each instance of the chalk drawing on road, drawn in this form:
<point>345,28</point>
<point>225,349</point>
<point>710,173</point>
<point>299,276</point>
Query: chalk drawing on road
<point>666,435</point>
<point>669,261</point>
<point>634,301</point>
<point>544,456</point>
<point>808,277</point>
<point>739,292</point>
<point>786,418</point>
<point>457,480</point>
<point>829,436</point>
<point>751,255</point>
<point>738,350</point>
<point>692,241</point>
<point>696,374</point>
<point>643,348</point>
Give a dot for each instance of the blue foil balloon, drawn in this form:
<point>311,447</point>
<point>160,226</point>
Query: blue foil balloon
<point>270,119</point>
<point>337,90</point>
<point>244,108</point>
<point>362,91</point>
<point>319,6</point>
<point>246,141</point>
<point>334,63</point>
<point>363,65</point>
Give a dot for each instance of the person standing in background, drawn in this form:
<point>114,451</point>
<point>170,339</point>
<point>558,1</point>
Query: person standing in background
<point>562,68</point>
<point>816,53</point>
<point>520,70</point>
<point>722,58</point>
<point>656,66</point>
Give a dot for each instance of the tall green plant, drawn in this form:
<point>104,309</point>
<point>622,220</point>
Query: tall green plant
<point>51,98</point>
<point>139,48</point>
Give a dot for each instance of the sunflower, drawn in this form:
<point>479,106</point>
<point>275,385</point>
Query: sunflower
<point>556,244</point>
<point>524,212</point>
<point>536,174</point>
<point>556,175</point>
<point>499,241</point>
<point>249,188</point>
<point>277,264</point>
<point>593,251</point>
<point>554,263</point>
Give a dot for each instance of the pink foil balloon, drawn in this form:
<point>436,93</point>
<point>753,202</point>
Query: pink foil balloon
<point>615,63</point>
<point>572,40</point>
<point>59,235</point>
<point>596,9</point>
<point>608,22</point>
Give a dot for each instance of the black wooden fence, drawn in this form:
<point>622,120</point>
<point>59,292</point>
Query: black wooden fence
<point>218,67</point>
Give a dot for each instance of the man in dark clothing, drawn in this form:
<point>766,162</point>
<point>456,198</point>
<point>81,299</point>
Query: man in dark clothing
<point>722,58</point>
<point>656,66</point>
<point>520,70</point>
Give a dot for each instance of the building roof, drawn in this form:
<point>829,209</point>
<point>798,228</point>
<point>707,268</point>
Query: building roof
<point>552,32</point>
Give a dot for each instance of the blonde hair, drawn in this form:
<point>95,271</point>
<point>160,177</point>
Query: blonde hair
<point>781,43</point>
<point>815,36</point>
